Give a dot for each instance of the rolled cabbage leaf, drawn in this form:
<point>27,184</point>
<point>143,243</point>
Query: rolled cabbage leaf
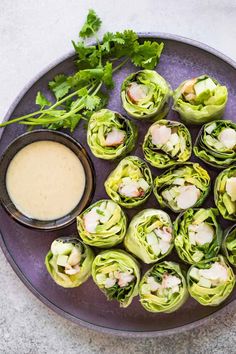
<point>117,274</point>
<point>198,235</point>
<point>146,94</point>
<point>150,235</point>
<point>225,193</point>
<point>167,143</point>
<point>103,224</point>
<point>163,288</point>
<point>200,100</point>
<point>211,282</point>
<point>110,135</point>
<point>182,187</point>
<point>69,261</point>
<point>229,244</point>
<point>216,143</point>
<point>130,183</point>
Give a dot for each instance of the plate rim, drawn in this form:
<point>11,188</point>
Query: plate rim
<point>21,275</point>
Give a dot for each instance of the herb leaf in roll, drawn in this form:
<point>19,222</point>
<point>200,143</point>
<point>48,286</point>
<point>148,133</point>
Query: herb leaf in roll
<point>225,193</point>
<point>216,143</point>
<point>182,187</point>
<point>110,135</point>
<point>167,143</point>
<point>163,288</point>
<point>103,224</point>
<point>146,94</point>
<point>130,183</point>
<point>117,274</point>
<point>200,100</point>
<point>150,235</point>
<point>211,282</point>
<point>69,262</point>
<point>198,235</point>
<point>229,244</point>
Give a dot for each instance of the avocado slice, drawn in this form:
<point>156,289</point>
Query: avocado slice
<point>194,273</point>
<point>206,283</point>
<point>62,260</point>
<point>59,247</point>
<point>204,89</point>
<point>204,85</point>
<point>197,256</point>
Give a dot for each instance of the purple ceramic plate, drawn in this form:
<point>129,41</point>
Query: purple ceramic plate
<point>25,249</point>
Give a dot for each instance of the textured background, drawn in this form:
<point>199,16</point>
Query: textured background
<point>33,34</point>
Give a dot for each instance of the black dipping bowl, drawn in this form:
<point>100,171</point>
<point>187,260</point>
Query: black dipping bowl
<point>72,144</point>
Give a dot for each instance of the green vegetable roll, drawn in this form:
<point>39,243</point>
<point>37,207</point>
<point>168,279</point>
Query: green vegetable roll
<point>150,235</point>
<point>198,235</point>
<point>110,135</point>
<point>103,224</point>
<point>69,262</point>
<point>200,100</point>
<point>211,282</point>
<point>216,143</point>
<point>163,288</point>
<point>167,143</point>
<point>117,274</point>
<point>130,183</point>
<point>229,244</point>
<point>225,193</point>
<point>182,187</point>
<point>146,94</point>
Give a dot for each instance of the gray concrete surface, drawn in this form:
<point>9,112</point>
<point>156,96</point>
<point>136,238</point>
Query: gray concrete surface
<point>33,34</point>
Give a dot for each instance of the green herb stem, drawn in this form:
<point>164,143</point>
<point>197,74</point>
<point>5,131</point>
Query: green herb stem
<point>120,65</point>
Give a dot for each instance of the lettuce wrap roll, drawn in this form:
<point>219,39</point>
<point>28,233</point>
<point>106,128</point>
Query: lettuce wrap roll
<point>130,183</point>
<point>146,94</point>
<point>225,193</point>
<point>69,262</point>
<point>150,235</point>
<point>103,224</point>
<point>163,288</point>
<point>211,282</point>
<point>200,100</point>
<point>117,275</point>
<point>110,135</point>
<point>182,187</point>
<point>167,143</point>
<point>229,244</point>
<point>216,143</point>
<point>198,235</point>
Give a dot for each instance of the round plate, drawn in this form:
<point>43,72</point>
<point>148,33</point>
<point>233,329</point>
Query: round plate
<point>25,249</point>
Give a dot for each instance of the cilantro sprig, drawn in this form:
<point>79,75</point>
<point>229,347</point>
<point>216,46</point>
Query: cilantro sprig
<point>79,95</point>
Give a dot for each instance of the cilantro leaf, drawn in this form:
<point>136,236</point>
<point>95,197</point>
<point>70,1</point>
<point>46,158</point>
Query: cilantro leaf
<point>124,44</point>
<point>104,97</point>
<point>147,54</point>
<point>85,77</point>
<point>92,102</point>
<point>41,100</point>
<point>109,39</point>
<point>88,56</point>
<point>91,25</point>
<point>72,122</point>
<point>78,96</point>
<point>83,92</point>
<point>59,86</point>
<point>107,75</point>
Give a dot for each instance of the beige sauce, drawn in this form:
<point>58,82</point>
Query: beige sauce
<point>45,180</point>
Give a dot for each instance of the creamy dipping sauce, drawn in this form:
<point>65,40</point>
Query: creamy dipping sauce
<point>45,180</point>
